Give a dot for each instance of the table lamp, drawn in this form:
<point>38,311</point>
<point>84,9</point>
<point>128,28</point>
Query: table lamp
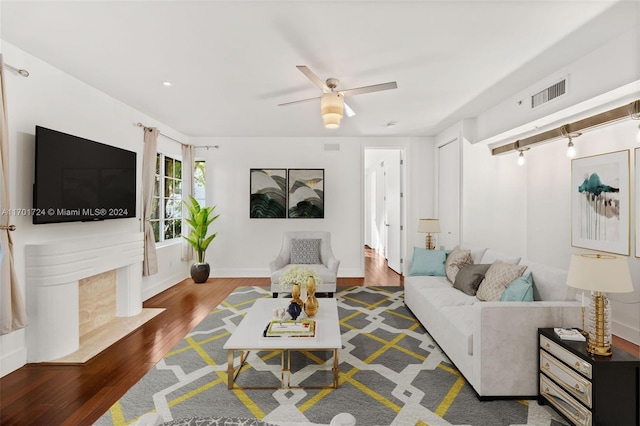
<point>599,273</point>
<point>429,226</point>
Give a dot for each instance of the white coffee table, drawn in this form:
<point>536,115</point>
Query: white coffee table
<point>248,337</point>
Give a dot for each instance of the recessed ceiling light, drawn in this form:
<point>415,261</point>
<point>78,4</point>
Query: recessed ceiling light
<point>166,83</point>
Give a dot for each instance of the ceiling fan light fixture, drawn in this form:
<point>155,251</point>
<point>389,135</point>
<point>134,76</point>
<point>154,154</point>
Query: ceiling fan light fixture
<point>332,108</point>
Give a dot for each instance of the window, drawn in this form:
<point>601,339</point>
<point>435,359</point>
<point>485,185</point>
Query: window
<point>199,182</point>
<point>166,213</point>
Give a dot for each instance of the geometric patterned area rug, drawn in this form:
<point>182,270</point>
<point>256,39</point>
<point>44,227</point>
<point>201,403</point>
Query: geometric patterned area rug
<point>391,373</point>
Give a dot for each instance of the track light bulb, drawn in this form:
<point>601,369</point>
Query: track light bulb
<point>571,150</point>
<point>521,158</point>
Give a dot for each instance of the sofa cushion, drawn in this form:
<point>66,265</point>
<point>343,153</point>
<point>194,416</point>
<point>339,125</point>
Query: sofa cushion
<point>461,318</point>
<point>428,262</point>
<point>496,280</point>
<point>469,278</point>
<point>455,260</point>
<point>437,298</point>
<point>305,251</point>
<point>491,256</point>
<point>549,283</point>
<point>423,281</point>
<point>520,290</point>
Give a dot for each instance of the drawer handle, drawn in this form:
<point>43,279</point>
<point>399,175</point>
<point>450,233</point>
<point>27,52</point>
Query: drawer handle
<point>576,415</point>
<point>578,365</point>
<point>547,346</point>
<point>546,390</point>
<point>577,387</point>
<point>546,365</point>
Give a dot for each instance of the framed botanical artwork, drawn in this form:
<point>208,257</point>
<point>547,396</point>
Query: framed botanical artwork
<point>268,199</point>
<point>306,193</point>
<point>600,202</point>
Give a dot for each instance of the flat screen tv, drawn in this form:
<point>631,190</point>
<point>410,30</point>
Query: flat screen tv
<point>78,179</point>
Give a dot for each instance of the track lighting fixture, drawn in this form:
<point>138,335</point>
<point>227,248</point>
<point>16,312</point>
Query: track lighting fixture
<point>634,113</point>
<point>521,155</point>
<point>631,110</point>
<point>571,151</point>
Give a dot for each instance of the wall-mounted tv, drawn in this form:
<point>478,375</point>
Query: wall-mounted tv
<point>78,179</point>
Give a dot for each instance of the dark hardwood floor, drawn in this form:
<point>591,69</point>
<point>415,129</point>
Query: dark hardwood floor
<point>54,394</point>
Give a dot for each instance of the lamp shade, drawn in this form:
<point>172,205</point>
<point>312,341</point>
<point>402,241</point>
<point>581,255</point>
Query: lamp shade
<point>332,107</point>
<point>600,272</point>
<point>429,225</point>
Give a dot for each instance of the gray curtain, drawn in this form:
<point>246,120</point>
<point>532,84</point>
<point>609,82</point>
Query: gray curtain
<point>188,158</point>
<point>150,262</point>
<point>13,313</point>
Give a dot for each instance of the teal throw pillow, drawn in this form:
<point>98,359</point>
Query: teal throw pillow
<point>428,262</point>
<point>520,290</point>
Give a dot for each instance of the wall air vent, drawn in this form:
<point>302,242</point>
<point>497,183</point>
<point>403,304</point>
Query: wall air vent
<point>552,92</point>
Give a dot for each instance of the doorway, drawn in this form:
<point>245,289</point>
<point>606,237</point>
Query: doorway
<point>384,205</point>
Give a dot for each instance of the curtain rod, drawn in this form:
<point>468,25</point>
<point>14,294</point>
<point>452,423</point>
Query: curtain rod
<point>631,110</point>
<point>20,71</point>
<point>149,128</point>
<point>175,140</point>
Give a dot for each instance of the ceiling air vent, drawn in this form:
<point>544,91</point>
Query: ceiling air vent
<point>550,93</point>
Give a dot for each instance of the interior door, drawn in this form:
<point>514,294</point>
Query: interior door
<point>381,214</point>
<point>393,208</point>
<point>449,195</point>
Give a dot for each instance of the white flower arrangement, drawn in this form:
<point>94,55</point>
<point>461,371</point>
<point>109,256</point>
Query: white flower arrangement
<point>298,275</point>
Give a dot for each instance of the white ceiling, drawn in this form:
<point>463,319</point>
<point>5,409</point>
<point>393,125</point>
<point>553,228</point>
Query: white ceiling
<point>232,62</point>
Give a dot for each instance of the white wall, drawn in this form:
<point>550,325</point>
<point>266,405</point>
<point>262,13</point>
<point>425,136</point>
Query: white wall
<point>53,99</point>
<point>527,210</point>
<point>245,246</point>
<point>618,60</point>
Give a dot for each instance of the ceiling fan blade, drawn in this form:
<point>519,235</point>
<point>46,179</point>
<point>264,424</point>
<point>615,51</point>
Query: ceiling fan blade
<point>300,101</point>
<point>348,111</point>
<point>314,78</point>
<point>369,89</point>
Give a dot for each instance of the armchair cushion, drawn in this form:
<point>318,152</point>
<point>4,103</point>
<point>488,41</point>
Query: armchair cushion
<point>305,251</point>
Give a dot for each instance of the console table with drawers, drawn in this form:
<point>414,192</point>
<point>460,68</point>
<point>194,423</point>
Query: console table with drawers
<point>585,389</point>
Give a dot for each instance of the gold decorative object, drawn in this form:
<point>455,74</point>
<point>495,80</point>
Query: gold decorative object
<point>429,226</point>
<point>311,303</point>
<point>295,294</point>
<point>599,273</point>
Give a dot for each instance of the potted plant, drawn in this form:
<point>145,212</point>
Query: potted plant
<point>199,220</point>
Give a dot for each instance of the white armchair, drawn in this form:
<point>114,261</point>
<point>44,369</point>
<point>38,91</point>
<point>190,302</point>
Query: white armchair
<point>326,268</point>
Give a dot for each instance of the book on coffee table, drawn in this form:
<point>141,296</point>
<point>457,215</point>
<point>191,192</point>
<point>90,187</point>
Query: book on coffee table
<point>291,328</point>
<point>569,334</point>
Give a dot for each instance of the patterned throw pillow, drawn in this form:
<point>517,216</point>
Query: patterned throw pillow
<point>497,279</point>
<point>456,260</point>
<point>305,251</point>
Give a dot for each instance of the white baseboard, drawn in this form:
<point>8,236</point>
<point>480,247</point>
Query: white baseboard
<point>626,332</point>
<point>12,361</point>
<point>152,287</point>
<point>264,273</point>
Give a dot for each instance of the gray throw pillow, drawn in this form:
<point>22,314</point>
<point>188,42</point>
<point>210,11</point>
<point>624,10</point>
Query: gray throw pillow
<point>305,251</point>
<point>469,278</point>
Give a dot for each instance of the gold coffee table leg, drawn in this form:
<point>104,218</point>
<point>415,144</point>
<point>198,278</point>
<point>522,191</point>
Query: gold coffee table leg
<point>336,369</point>
<point>232,373</point>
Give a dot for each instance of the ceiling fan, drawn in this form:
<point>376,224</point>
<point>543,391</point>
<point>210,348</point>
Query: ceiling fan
<point>332,102</point>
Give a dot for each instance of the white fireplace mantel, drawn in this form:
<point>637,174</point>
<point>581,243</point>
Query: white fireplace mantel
<point>53,270</point>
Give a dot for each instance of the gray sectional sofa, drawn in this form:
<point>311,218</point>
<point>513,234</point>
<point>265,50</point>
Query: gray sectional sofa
<point>494,343</point>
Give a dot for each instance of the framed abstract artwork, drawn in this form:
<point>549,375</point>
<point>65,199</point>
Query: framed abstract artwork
<point>306,193</point>
<point>268,199</point>
<point>600,202</point>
